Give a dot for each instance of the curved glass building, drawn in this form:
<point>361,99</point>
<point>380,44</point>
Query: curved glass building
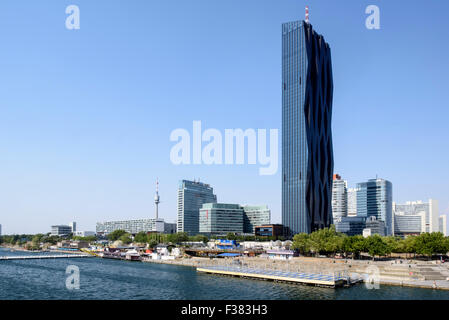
<point>307,154</point>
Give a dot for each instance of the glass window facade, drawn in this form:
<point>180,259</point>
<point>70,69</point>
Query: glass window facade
<point>255,216</point>
<point>339,198</point>
<point>191,196</point>
<point>220,218</point>
<point>307,155</point>
<point>375,199</point>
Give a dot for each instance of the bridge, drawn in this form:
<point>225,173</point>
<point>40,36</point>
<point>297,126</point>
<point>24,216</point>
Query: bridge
<point>59,256</point>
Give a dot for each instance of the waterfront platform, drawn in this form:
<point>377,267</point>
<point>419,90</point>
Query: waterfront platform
<point>59,256</point>
<point>332,281</point>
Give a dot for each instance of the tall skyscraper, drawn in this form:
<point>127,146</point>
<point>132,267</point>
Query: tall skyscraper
<point>339,198</point>
<point>191,197</point>
<point>442,225</point>
<point>307,153</point>
<point>375,199</point>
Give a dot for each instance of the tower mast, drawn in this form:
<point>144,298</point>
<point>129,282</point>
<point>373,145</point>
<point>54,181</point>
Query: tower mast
<point>157,199</point>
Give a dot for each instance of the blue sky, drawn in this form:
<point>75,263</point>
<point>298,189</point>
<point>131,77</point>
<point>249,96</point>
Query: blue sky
<point>86,115</point>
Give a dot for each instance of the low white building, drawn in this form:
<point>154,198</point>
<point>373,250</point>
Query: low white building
<point>280,254</point>
<point>84,233</point>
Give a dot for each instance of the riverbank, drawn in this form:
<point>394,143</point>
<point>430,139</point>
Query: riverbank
<point>415,274</point>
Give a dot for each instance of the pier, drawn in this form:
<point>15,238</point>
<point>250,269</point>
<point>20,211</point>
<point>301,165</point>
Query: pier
<point>59,256</point>
<point>332,281</point>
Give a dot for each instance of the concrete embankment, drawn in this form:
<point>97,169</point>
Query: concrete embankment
<point>413,274</point>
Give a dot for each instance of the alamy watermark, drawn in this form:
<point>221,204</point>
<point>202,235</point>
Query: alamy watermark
<point>72,282</point>
<point>72,22</point>
<point>210,148</point>
<point>373,20</point>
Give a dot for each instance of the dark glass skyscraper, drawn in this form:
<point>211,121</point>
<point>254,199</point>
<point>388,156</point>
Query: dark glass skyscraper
<point>307,154</point>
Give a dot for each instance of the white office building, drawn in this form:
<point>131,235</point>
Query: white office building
<point>443,224</point>
<point>429,209</point>
<point>339,198</point>
<point>135,226</point>
<point>352,202</point>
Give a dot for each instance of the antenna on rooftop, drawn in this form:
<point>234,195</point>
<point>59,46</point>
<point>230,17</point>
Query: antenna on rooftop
<point>307,14</point>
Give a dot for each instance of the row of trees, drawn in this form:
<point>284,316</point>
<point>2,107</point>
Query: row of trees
<point>155,238</point>
<point>22,239</point>
<point>329,242</point>
<point>143,237</point>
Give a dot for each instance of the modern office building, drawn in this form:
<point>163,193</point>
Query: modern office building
<point>375,226</point>
<point>375,199</point>
<point>352,202</point>
<point>221,218</point>
<point>442,225</point>
<point>0,229</point>
<point>429,209</point>
<point>351,226</point>
<point>409,224</point>
<point>191,196</point>
<point>255,216</point>
<point>339,197</point>
<point>73,226</point>
<point>307,152</point>
<point>170,228</point>
<point>61,230</point>
<point>134,226</point>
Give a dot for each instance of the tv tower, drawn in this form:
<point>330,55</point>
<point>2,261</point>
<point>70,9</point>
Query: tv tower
<point>307,14</point>
<point>157,199</point>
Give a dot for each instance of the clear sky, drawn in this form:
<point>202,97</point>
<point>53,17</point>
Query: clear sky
<point>86,115</point>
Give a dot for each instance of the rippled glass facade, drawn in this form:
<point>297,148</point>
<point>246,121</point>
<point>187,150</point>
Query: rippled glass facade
<point>307,154</point>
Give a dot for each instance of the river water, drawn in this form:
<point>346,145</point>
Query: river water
<point>123,280</point>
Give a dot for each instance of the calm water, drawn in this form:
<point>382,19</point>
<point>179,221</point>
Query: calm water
<point>112,279</point>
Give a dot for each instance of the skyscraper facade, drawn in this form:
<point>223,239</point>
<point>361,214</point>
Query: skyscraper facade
<point>352,202</point>
<point>191,197</point>
<point>255,216</point>
<point>221,218</point>
<point>307,154</point>
<point>339,197</point>
<point>375,199</point>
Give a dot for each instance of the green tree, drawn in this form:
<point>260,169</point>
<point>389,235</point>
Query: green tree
<point>301,242</point>
<point>141,237</point>
<point>231,236</point>
<point>377,246</point>
<point>429,244</point>
<point>125,238</point>
<point>115,235</point>
<point>153,243</point>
